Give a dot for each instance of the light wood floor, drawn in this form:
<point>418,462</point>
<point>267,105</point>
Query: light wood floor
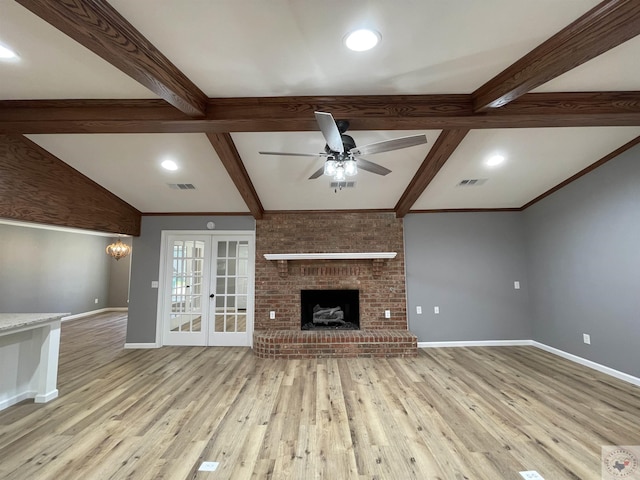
<point>463,413</point>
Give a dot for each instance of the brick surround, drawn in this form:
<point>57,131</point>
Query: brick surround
<point>278,288</point>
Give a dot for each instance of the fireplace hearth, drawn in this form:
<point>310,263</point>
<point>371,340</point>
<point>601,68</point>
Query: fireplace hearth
<point>330,309</point>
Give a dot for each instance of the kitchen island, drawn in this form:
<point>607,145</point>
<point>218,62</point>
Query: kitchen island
<point>29,348</point>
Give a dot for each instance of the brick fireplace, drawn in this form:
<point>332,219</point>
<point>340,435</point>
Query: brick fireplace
<point>380,283</point>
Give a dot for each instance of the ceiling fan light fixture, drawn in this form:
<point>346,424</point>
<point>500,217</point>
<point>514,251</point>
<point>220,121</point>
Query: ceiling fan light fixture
<point>339,176</point>
<point>330,167</point>
<point>350,168</point>
<point>362,40</point>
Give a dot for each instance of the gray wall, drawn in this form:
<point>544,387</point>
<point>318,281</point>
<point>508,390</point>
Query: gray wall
<point>52,271</point>
<point>119,277</point>
<point>584,265</point>
<point>466,264</point>
<point>145,265</point>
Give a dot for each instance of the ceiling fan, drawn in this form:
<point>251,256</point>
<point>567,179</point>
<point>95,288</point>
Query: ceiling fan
<point>343,158</point>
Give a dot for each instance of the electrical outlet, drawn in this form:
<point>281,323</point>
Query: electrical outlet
<point>586,338</point>
<point>436,310</point>
<point>95,300</point>
<point>419,310</point>
<point>531,475</point>
<point>516,285</point>
<point>272,314</point>
<point>387,314</point>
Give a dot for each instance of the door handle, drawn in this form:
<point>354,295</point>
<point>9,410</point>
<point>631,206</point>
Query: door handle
<point>212,295</point>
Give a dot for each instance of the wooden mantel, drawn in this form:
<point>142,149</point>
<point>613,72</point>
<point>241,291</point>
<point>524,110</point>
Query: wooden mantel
<point>377,259</point>
<point>330,256</point>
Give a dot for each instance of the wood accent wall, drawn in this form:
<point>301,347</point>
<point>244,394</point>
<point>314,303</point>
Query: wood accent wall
<point>330,232</point>
<point>36,186</point>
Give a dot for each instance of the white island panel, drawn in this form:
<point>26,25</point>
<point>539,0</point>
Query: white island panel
<point>29,349</point>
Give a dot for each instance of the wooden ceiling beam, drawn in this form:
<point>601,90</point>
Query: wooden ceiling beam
<point>36,186</point>
<point>438,155</point>
<point>276,114</point>
<point>230,158</point>
<point>99,27</point>
<point>602,28</point>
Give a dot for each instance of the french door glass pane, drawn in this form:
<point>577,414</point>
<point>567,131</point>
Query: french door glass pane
<point>186,286</point>
<point>243,266</point>
<point>231,270</point>
<point>231,286</point>
<point>241,325</point>
<point>220,281</point>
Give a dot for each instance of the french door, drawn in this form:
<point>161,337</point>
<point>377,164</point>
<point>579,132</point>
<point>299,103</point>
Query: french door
<point>208,289</point>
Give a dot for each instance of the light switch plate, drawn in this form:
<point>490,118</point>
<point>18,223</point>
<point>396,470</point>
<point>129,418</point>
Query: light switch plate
<point>516,285</point>
<point>436,310</point>
<point>272,314</point>
<point>387,314</point>
<point>154,284</point>
<point>419,310</point>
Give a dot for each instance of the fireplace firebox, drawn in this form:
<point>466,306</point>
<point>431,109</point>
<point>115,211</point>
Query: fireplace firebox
<point>330,309</point>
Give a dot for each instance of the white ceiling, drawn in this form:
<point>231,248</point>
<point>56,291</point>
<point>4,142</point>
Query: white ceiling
<point>252,48</point>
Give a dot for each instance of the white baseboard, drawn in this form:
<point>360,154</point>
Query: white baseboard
<point>94,312</point>
<point>477,343</point>
<point>47,397</point>
<point>588,363</point>
<point>7,402</point>
<point>141,345</point>
<point>509,343</point>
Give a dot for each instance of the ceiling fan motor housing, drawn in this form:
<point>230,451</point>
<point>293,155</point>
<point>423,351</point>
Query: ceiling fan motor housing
<point>347,141</point>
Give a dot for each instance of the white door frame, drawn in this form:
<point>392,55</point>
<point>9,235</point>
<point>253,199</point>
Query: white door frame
<point>160,308</point>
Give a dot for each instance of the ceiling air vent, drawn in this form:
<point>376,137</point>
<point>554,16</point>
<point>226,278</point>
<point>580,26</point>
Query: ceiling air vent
<point>182,186</point>
<point>342,185</point>
<point>472,182</point>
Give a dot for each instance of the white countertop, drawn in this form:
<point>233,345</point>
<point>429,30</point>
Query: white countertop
<point>22,321</point>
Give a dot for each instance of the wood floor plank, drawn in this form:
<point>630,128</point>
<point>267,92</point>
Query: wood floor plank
<point>447,414</point>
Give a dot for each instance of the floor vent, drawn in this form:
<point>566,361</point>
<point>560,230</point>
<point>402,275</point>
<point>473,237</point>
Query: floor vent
<point>182,186</point>
<point>342,185</point>
<point>472,182</point>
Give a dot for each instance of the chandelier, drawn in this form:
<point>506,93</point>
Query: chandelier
<point>118,250</point>
<point>340,167</point>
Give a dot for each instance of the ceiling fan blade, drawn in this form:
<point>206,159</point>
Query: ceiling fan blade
<point>330,131</point>
<point>318,173</point>
<point>316,155</point>
<point>388,145</point>
<point>372,167</point>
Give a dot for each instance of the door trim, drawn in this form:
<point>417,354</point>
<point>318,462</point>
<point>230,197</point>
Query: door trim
<point>160,304</point>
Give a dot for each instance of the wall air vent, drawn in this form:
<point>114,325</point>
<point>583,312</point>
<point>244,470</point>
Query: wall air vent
<point>472,182</point>
<point>342,185</point>
<point>182,186</point>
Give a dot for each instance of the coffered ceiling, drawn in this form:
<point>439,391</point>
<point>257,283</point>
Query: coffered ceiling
<point>114,89</point>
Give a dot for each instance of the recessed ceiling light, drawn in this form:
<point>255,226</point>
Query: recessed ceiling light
<point>495,160</point>
<point>7,54</point>
<point>362,40</point>
<point>169,165</point>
